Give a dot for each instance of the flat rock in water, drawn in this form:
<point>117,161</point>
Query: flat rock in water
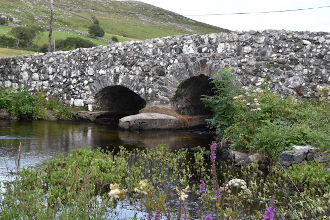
<point>149,121</point>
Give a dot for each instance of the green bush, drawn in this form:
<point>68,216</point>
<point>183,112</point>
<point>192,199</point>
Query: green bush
<point>96,30</point>
<point>72,43</point>
<point>6,41</point>
<point>3,21</point>
<point>22,104</point>
<point>26,105</point>
<point>267,122</point>
<point>114,38</point>
<point>24,35</point>
<point>222,102</point>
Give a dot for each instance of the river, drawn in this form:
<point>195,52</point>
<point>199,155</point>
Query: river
<point>42,140</point>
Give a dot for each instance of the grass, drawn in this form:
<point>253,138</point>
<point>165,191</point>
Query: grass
<point>6,52</point>
<point>130,20</point>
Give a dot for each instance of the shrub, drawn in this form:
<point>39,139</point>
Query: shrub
<point>114,38</point>
<point>3,21</point>
<point>222,102</point>
<point>22,104</point>
<point>72,43</point>
<point>267,122</point>
<point>96,30</point>
<point>7,41</point>
<point>26,105</point>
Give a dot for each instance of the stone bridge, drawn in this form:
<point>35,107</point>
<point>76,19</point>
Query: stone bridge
<point>124,77</point>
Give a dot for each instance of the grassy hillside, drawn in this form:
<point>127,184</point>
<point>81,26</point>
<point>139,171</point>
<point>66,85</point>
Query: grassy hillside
<point>131,20</point>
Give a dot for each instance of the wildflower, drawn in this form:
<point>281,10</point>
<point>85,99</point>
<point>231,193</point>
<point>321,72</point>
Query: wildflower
<point>142,187</point>
<point>217,194</point>
<point>238,183</point>
<point>258,109</point>
<point>150,214</point>
<point>269,213</point>
<point>208,217</point>
<point>182,193</point>
<point>158,214</point>
<point>202,187</point>
<point>248,103</point>
<point>213,151</point>
<point>116,192</point>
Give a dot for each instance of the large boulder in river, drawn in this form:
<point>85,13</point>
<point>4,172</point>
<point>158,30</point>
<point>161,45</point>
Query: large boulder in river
<point>149,121</point>
<point>297,155</point>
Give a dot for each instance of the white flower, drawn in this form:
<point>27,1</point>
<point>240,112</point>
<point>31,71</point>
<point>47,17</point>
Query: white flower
<point>142,187</point>
<point>237,183</point>
<point>258,109</point>
<point>116,192</point>
<point>182,194</point>
<point>248,103</point>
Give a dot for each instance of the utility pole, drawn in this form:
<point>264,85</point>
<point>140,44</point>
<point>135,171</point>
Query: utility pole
<point>50,27</point>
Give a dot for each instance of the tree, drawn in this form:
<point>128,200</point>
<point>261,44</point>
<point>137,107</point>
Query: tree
<point>96,30</point>
<point>24,35</point>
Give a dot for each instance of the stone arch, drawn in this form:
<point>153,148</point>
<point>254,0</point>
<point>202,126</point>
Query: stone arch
<point>187,98</point>
<point>118,100</point>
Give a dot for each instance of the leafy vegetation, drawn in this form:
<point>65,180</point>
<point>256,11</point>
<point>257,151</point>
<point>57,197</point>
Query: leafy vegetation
<point>25,105</point>
<point>221,103</point>
<point>163,182</point>
<point>259,120</point>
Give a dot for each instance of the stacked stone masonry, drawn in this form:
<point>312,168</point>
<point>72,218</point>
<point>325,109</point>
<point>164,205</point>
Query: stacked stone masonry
<point>285,61</point>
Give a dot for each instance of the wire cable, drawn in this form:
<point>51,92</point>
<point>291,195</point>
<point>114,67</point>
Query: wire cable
<point>263,12</point>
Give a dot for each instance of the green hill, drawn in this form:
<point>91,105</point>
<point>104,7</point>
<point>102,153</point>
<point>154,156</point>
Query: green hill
<point>124,19</point>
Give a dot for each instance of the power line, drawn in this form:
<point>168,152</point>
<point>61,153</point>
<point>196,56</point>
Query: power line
<point>264,12</point>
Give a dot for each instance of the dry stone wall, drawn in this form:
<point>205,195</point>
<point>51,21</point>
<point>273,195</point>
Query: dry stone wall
<point>287,62</point>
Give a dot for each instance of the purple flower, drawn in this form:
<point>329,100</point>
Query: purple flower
<point>269,213</point>
<point>150,215</point>
<point>158,214</point>
<point>208,217</point>
<point>217,194</point>
<point>202,187</point>
<point>213,151</point>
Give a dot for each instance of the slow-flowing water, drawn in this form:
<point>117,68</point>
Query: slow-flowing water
<point>43,140</point>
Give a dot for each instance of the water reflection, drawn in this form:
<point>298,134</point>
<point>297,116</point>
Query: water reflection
<point>42,140</point>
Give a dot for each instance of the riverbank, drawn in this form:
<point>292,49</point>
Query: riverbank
<point>165,183</point>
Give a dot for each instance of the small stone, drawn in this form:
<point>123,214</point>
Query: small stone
<point>306,42</point>
<point>35,77</point>
<point>78,102</point>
